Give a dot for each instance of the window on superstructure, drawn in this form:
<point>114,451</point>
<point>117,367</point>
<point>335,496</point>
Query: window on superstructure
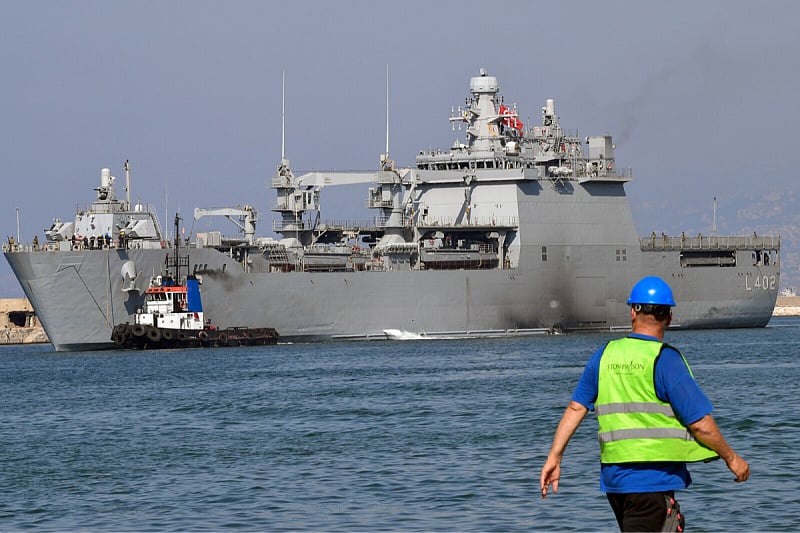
<point>622,254</point>
<point>544,253</point>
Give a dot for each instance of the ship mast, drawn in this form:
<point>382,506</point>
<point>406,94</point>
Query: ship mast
<point>127,168</point>
<point>177,247</point>
<point>283,117</point>
<point>293,200</point>
<point>387,111</point>
<point>386,162</point>
<point>177,262</point>
<point>714,220</point>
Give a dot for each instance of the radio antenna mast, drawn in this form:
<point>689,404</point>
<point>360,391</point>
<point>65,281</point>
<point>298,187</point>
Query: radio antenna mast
<point>127,168</point>
<point>387,110</point>
<point>386,162</point>
<point>714,220</point>
<point>283,115</point>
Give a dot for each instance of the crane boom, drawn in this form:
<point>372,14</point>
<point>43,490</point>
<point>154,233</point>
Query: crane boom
<point>247,214</point>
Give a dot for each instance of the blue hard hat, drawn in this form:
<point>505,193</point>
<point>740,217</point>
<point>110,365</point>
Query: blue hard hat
<point>651,290</point>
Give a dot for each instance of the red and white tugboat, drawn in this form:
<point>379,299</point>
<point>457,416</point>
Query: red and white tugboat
<point>173,317</point>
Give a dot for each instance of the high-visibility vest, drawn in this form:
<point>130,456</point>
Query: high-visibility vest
<point>635,426</point>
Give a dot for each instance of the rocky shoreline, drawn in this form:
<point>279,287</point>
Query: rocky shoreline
<point>18,323</point>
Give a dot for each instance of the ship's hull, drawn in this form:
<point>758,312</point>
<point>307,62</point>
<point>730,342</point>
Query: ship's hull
<point>514,232</point>
<point>79,296</point>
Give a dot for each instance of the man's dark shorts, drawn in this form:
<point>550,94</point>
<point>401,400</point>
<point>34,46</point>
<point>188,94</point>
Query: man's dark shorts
<point>647,511</point>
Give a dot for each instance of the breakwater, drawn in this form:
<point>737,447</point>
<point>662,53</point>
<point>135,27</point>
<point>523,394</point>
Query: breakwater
<point>787,306</point>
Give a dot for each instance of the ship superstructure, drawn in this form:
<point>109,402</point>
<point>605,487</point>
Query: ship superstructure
<point>515,230</point>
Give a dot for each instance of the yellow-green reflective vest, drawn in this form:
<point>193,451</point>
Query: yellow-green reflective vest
<point>634,425</point>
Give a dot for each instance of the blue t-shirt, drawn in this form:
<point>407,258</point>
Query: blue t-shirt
<point>674,384</point>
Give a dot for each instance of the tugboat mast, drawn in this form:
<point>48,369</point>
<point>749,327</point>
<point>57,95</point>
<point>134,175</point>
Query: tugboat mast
<point>177,261</point>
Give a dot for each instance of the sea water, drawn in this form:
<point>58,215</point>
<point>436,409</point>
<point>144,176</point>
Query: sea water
<point>434,435</point>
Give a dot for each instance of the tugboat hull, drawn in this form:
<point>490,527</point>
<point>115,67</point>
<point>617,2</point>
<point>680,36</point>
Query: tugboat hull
<point>142,337</point>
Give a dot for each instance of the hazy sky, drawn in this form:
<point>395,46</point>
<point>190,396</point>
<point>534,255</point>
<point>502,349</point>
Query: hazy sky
<point>700,96</point>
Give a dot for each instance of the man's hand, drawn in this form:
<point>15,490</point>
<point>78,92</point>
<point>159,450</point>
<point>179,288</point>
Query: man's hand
<point>739,467</point>
<point>551,472</point>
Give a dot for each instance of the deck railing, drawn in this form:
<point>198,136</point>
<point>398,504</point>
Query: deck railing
<point>710,242</point>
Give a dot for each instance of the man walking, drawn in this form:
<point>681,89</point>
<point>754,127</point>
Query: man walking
<point>653,418</point>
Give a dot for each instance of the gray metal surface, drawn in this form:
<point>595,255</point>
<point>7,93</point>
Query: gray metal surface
<point>515,231</point>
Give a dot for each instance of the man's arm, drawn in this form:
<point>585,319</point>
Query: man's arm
<point>551,471</point>
<point>707,432</point>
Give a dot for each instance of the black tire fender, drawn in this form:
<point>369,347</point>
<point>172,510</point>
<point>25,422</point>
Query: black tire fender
<point>154,334</point>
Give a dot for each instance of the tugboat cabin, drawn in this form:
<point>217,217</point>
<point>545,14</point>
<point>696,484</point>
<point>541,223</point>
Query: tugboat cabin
<point>172,306</point>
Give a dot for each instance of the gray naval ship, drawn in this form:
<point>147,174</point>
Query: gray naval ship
<point>514,231</point>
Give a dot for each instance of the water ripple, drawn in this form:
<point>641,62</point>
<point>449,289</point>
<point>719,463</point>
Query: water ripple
<point>364,436</point>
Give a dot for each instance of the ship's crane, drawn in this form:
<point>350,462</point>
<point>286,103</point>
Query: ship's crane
<point>247,217</point>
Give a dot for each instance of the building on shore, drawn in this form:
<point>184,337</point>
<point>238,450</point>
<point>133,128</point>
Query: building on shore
<point>18,323</point>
